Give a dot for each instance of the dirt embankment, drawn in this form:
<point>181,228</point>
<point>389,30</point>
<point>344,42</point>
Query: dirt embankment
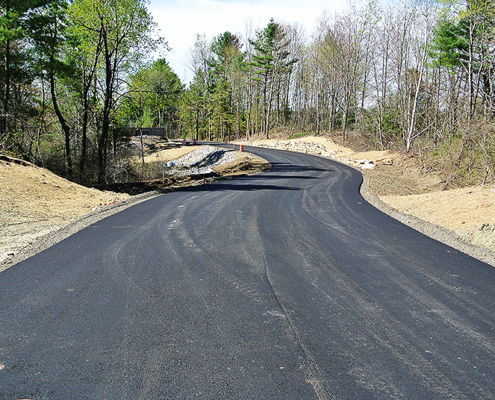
<point>35,202</point>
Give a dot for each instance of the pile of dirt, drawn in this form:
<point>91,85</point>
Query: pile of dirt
<point>35,202</point>
<point>245,162</point>
<point>200,161</point>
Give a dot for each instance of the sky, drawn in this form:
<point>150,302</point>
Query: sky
<point>180,21</point>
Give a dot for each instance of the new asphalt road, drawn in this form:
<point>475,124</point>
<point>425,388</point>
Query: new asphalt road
<point>284,285</point>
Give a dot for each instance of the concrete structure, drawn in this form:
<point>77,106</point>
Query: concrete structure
<point>147,131</point>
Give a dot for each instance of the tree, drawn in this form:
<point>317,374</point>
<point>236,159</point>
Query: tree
<point>157,88</point>
<point>122,32</point>
<point>427,14</point>
<point>465,42</point>
<point>201,60</point>
<point>193,110</point>
<point>14,19</point>
<point>271,60</point>
<point>49,43</point>
<point>228,66</point>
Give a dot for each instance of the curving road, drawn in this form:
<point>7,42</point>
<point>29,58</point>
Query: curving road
<point>285,285</point>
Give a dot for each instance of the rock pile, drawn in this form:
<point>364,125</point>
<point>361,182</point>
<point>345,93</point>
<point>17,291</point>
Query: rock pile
<point>200,161</point>
<point>302,147</point>
<point>320,150</point>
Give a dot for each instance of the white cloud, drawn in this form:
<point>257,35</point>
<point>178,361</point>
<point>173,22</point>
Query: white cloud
<point>181,21</point>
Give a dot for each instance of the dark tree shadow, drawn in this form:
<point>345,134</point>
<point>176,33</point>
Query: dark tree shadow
<point>214,187</point>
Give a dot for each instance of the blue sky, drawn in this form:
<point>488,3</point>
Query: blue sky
<point>181,21</point>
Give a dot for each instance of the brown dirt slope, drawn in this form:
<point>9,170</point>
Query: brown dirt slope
<point>35,202</point>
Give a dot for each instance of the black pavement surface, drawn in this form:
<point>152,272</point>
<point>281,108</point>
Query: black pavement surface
<point>285,285</point>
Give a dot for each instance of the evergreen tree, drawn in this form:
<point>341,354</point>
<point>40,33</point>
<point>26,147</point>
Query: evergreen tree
<point>16,65</point>
<point>157,88</point>
<point>271,60</point>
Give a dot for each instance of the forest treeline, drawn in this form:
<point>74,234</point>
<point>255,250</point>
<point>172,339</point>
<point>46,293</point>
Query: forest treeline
<point>414,76</point>
<point>75,75</point>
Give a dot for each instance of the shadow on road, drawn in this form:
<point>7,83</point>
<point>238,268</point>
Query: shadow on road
<point>271,175</point>
<point>213,187</point>
<point>284,167</point>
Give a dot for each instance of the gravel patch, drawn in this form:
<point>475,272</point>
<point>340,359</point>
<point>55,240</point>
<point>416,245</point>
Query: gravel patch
<point>201,161</point>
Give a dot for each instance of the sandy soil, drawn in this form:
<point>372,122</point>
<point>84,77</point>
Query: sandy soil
<point>168,154</point>
<point>470,212</point>
<point>35,202</point>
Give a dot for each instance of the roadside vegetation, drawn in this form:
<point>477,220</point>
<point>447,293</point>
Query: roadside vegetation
<point>76,82</point>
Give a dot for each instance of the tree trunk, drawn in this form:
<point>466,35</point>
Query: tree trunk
<point>89,81</point>
<point>470,70</point>
<point>344,123</point>
<point>416,95</point>
<point>65,127</point>
<point>6,97</point>
<point>110,68</point>
<point>197,126</point>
